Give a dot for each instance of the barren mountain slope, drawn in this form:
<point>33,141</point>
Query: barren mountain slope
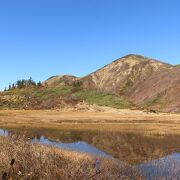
<point>160,91</point>
<point>123,74</point>
<point>143,81</point>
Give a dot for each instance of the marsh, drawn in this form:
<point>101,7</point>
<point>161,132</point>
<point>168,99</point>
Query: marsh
<point>153,155</point>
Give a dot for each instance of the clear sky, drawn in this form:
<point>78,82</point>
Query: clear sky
<point>41,38</point>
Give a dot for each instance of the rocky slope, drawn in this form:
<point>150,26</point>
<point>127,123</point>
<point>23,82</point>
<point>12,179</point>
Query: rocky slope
<point>161,91</point>
<point>123,74</point>
<point>143,81</point>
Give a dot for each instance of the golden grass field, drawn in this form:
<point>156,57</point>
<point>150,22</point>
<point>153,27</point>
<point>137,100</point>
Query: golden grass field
<point>121,121</point>
<point>58,163</point>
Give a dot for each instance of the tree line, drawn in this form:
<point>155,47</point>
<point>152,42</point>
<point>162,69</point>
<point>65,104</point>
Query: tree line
<point>19,84</point>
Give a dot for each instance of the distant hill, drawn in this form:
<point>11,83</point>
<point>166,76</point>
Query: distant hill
<point>132,81</point>
<point>60,80</point>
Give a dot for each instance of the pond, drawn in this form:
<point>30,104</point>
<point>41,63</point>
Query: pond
<point>155,156</point>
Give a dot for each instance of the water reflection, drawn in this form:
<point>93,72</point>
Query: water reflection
<point>79,146</point>
<point>130,148</point>
<point>167,166</point>
<point>157,157</point>
<point>3,132</point>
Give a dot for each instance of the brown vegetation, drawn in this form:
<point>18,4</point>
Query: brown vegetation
<point>131,148</point>
<point>20,159</point>
<point>116,121</point>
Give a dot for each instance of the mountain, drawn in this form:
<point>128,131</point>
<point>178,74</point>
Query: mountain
<point>143,81</point>
<point>123,74</point>
<point>160,91</point>
<point>132,81</point>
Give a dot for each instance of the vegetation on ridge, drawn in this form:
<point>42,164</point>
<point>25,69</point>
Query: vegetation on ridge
<point>23,83</point>
<point>29,95</point>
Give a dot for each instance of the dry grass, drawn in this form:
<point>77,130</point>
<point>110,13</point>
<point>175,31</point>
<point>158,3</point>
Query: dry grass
<point>121,121</point>
<point>20,159</point>
<point>36,161</point>
<point>131,148</point>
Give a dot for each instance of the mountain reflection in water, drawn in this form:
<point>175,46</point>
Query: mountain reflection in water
<point>155,156</point>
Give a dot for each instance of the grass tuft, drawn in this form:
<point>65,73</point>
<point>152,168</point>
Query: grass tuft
<point>36,161</point>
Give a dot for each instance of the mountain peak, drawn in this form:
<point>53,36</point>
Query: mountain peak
<point>134,56</point>
<point>130,68</point>
<point>139,58</point>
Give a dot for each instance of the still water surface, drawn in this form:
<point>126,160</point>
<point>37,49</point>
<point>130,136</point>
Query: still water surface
<point>155,156</point>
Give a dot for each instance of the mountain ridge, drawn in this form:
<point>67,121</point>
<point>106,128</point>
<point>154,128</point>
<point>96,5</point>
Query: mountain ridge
<point>137,75</point>
<point>130,81</point>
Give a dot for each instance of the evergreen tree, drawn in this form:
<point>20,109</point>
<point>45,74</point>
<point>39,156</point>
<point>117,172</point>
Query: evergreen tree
<point>20,83</point>
<point>10,87</point>
<point>24,83</point>
<point>31,82</point>
<point>13,86</point>
<point>39,84</point>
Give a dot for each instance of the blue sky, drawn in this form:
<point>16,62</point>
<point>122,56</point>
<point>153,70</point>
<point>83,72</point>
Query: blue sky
<point>41,38</point>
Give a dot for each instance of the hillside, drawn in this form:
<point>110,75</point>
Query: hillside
<point>160,91</point>
<point>132,81</point>
<point>143,81</point>
<point>123,74</point>
<point>60,80</point>
<point>60,96</point>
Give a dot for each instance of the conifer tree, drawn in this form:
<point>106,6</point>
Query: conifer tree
<point>39,84</point>
<point>10,87</point>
